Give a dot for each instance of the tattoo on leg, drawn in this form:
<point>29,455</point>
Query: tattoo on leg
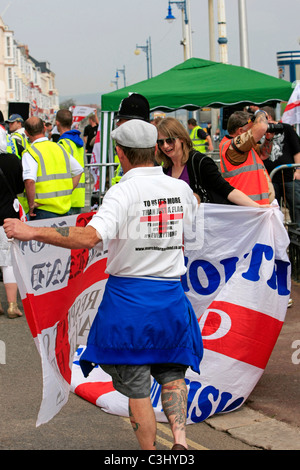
<point>64,231</point>
<point>135,426</point>
<point>174,401</point>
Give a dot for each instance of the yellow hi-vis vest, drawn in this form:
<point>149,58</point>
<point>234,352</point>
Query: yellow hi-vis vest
<point>21,139</point>
<point>78,195</point>
<point>11,145</point>
<point>118,173</point>
<point>54,184</point>
<point>198,144</point>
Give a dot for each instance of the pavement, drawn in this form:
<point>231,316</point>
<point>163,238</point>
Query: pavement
<point>269,420</point>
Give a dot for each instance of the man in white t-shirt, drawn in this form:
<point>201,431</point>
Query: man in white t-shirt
<point>145,324</point>
<point>50,174</point>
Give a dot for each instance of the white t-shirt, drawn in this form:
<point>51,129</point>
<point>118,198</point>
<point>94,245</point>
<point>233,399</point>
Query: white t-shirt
<point>142,220</point>
<point>30,166</point>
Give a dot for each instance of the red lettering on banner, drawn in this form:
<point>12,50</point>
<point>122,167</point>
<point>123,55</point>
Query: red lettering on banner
<point>91,391</point>
<point>250,337</point>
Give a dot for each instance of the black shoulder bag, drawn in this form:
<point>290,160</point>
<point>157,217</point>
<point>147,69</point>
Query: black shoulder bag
<point>205,195</point>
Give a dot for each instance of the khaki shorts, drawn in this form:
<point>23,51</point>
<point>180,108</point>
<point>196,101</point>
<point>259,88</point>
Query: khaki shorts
<point>134,381</point>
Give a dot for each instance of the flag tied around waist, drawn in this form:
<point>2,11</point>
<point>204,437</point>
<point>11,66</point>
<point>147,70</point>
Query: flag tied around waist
<point>238,281</point>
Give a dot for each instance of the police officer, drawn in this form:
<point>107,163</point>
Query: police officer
<point>135,106</point>
<point>12,145</point>
<point>17,131</point>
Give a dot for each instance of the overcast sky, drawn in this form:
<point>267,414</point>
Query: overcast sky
<point>86,41</point>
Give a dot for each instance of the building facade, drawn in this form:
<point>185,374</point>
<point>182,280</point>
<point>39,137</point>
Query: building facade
<point>27,86</point>
<point>288,63</point>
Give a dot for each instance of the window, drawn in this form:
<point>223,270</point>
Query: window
<point>10,83</point>
<point>8,46</point>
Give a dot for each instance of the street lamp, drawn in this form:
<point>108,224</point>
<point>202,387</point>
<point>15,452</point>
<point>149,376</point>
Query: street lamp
<point>148,52</point>
<point>187,39</point>
<point>123,72</point>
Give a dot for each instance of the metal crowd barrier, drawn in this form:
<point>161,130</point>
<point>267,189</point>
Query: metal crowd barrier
<point>282,167</point>
<point>92,197</point>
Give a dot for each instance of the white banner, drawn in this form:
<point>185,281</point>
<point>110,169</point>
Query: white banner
<point>238,280</point>
<point>81,112</point>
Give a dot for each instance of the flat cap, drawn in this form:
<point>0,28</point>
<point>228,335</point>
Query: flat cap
<point>135,134</point>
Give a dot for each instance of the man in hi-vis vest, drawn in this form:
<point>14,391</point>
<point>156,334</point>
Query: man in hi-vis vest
<point>71,141</point>
<point>50,174</point>
<point>200,138</point>
<point>240,152</point>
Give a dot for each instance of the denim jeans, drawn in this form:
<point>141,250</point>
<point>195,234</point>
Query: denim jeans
<point>291,191</point>
<point>41,214</point>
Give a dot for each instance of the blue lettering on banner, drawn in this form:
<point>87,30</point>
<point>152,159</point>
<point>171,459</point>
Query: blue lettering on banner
<point>201,408</point>
<point>259,253</point>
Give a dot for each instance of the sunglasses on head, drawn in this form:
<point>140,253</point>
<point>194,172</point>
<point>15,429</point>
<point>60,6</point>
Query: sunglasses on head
<point>169,141</point>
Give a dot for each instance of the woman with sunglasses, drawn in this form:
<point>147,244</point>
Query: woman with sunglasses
<point>179,159</point>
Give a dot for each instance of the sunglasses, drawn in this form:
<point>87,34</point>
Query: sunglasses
<point>248,122</point>
<point>169,141</point>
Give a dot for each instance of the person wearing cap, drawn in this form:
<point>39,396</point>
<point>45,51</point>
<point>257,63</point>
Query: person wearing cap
<point>135,106</point>
<point>145,324</point>
<point>13,147</point>
<point>17,131</point>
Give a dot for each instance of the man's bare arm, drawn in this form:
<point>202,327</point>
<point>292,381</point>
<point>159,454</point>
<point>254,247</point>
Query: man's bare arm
<point>260,126</point>
<point>65,237</point>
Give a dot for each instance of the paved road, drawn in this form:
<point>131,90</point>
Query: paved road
<point>270,420</point>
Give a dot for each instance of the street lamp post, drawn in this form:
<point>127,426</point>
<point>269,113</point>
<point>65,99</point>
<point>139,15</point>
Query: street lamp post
<point>123,73</point>
<point>186,29</point>
<point>148,52</point>
<point>244,52</point>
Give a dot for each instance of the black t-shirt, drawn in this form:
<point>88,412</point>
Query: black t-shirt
<point>285,146</point>
<point>11,166</point>
<point>89,132</point>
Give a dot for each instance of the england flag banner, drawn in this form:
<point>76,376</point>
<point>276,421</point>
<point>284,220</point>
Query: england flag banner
<point>237,279</point>
<point>291,113</point>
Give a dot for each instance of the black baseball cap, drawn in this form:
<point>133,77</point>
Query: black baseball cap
<point>135,106</point>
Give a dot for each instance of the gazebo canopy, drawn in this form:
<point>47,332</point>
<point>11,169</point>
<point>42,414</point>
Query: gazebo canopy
<point>198,83</point>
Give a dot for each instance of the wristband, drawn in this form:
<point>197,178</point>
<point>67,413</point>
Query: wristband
<point>260,111</point>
